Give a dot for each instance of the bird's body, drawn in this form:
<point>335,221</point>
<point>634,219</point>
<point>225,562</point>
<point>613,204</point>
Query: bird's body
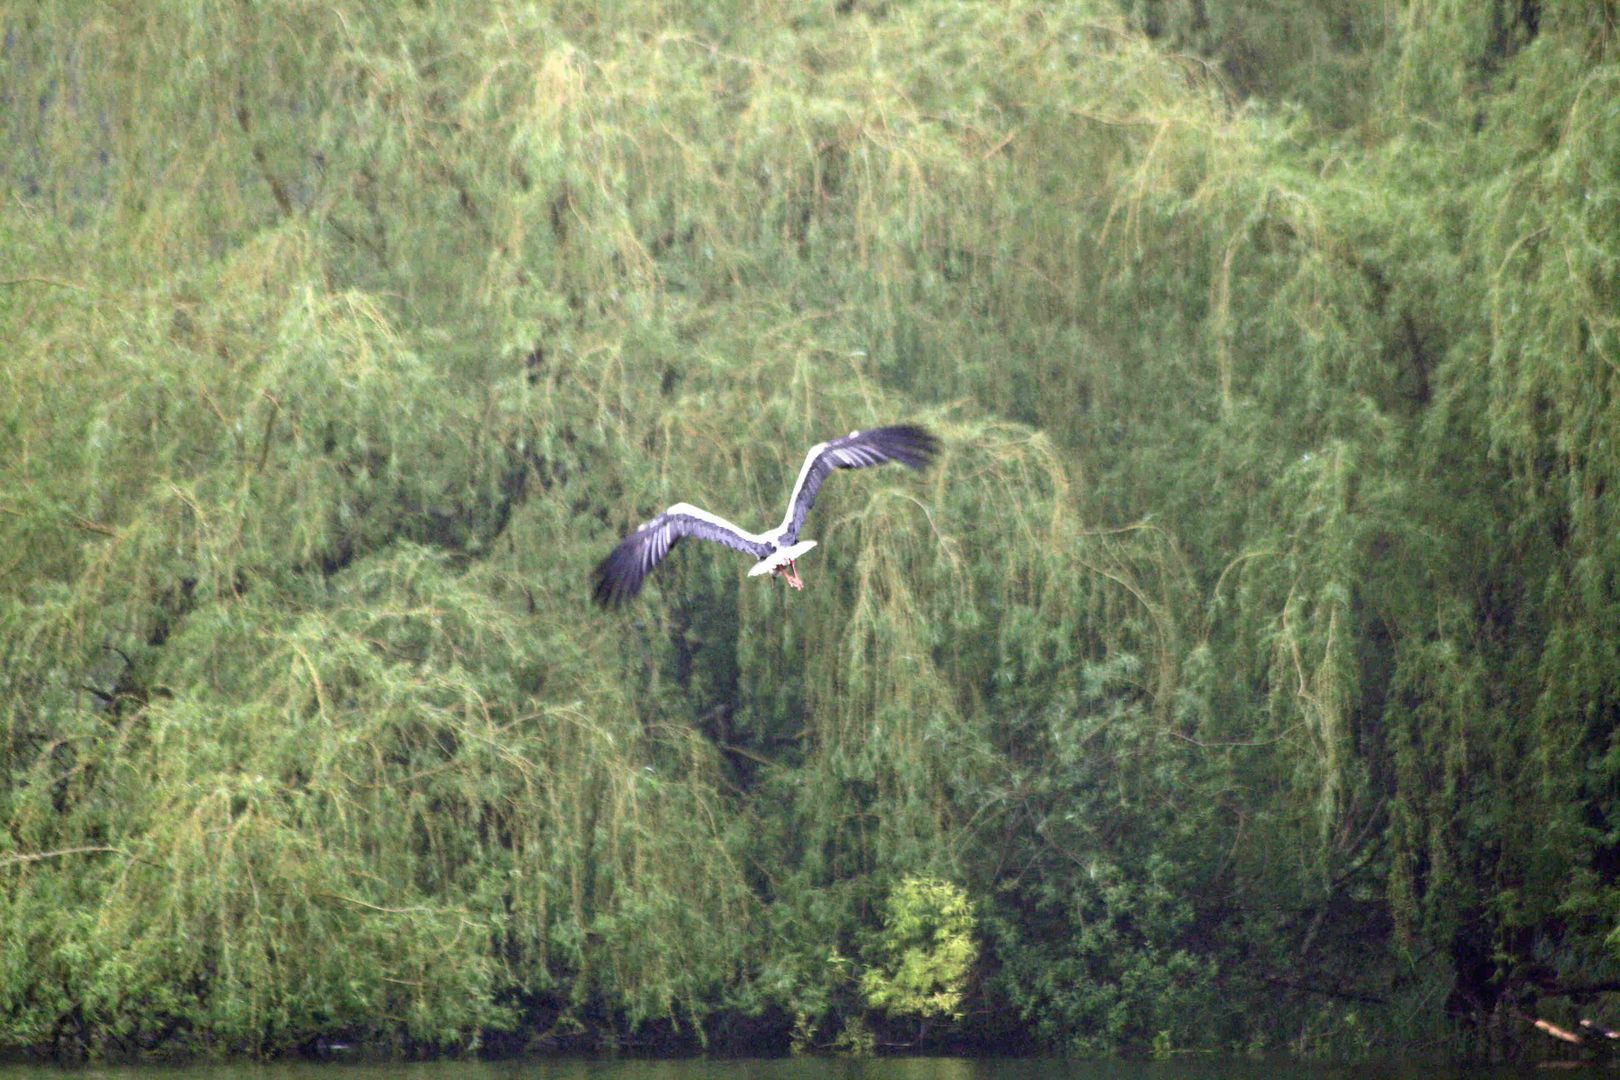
<point>619,577</point>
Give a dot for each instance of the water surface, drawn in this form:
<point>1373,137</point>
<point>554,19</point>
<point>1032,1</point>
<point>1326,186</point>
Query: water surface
<point>817,1069</point>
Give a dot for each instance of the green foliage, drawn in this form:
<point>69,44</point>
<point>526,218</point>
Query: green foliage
<point>924,952</point>
<point>1247,661</point>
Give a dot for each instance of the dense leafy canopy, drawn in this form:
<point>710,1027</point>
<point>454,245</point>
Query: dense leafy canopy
<point>1246,674</point>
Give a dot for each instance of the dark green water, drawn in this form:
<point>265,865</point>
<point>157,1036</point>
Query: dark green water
<point>818,1069</point>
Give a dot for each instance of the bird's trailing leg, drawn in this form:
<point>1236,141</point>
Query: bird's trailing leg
<point>790,574</point>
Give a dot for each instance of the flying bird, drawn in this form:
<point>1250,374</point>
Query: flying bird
<point>619,577</point>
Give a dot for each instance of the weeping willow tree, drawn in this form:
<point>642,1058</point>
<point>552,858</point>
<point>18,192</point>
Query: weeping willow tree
<point>1245,666</point>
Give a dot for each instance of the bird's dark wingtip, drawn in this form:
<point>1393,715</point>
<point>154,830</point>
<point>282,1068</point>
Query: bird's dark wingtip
<point>601,587</point>
<point>616,582</point>
<point>909,444</point>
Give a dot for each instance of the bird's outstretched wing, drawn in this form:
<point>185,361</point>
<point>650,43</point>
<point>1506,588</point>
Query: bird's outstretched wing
<point>906,443</point>
<point>619,576</point>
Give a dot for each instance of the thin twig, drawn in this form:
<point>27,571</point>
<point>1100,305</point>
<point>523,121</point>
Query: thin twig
<point>58,282</point>
<point>82,522</point>
<point>36,856</point>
